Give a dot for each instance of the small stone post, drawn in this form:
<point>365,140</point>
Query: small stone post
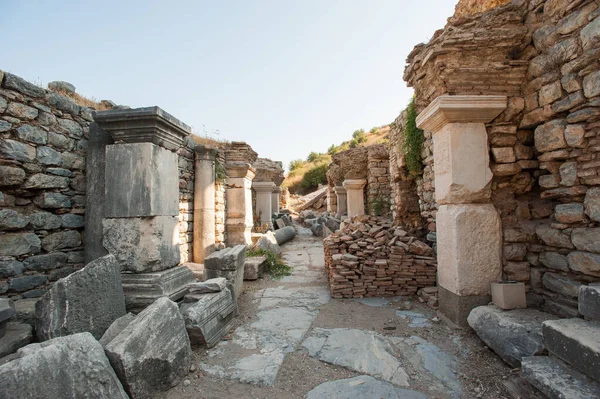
<point>264,208</point>
<point>331,201</point>
<point>239,203</point>
<point>275,199</point>
<point>469,233</point>
<point>356,196</point>
<point>204,204</point>
<point>141,203</point>
<point>342,202</point>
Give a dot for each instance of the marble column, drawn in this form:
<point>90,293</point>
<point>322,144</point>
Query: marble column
<point>141,203</point>
<point>204,204</point>
<point>469,232</point>
<point>275,199</point>
<point>331,201</point>
<point>264,191</point>
<point>355,196</point>
<point>239,220</point>
<point>342,202</point>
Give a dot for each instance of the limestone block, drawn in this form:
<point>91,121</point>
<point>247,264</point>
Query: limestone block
<point>88,300</point>
<point>115,328</point>
<point>210,318</point>
<point>74,366</point>
<point>268,242</point>
<point>592,203</point>
<point>569,213</point>
<point>228,263</point>
<point>153,352</point>
<point>254,267</point>
<point>584,262</point>
<point>355,196</point>
<point>550,136</point>
<point>140,181</point>
<point>143,244</point>
<point>469,242</point>
<point>264,207</point>
<point>142,289</point>
<point>586,239</point>
<point>561,284</point>
<point>209,286</point>
<point>461,158</point>
<point>16,335</point>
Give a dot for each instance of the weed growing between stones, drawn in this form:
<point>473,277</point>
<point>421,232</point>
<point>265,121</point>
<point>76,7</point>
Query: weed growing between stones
<point>275,266</point>
<point>413,141</point>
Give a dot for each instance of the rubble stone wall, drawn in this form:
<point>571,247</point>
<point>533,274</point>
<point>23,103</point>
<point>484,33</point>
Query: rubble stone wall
<point>220,204</point>
<point>43,142</point>
<point>545,57</point>
<point>186,200</point>
<point>378,181</point>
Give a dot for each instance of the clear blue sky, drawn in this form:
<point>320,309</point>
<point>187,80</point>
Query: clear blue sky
<point>289,77</point>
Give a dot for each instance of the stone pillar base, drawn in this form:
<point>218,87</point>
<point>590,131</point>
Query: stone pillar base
<point>454,309</point>
<point>142,289</point>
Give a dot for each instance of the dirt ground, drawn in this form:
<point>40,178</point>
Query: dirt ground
<point>480,371</point>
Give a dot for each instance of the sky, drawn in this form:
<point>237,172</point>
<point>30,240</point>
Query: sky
<point>288,77</point>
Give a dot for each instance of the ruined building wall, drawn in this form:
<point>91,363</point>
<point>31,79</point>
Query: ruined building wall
<point>544,56</point>
<point>220,202</point>
<point>186,200</point>
<point>43,141</point>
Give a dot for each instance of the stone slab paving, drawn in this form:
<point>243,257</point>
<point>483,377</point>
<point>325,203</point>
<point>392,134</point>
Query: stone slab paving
<point>390,366</point>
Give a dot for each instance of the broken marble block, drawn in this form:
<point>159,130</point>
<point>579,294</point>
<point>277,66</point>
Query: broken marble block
<point>74,366</point>
<point>7,311</point>
<point>209,318</point>
<point>153,353</point>
<point>208,286</point>
<point>16,336</point>
<point>115,328</point>
<point>227,263</point>
<point>268,242</point>
<point>254,267</point>
<point>88,300</point>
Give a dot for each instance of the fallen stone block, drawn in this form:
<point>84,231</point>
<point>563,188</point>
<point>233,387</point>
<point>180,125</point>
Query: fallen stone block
<point>88,300</point>
<point>512,334</point>
<point>317,229</point>
<point>74,366</point>
<point>284,235</point>
<point>227,263</point>
<point>268,242</point>
<point>254,267</point>
<point>210,318</point>
<point>197,269</point>
<point>115,328</point>
<point>209,286</point>
<point>151,354</point>
<point>557,380</point>
<point>16,336</point>
<point>575,341</point>
<point>363,386</point>
<point>589,301</point>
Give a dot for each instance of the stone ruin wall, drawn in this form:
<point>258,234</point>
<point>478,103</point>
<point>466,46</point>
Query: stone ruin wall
<point>544,56</point>
<point>43,148</point>
<point>43,141</point>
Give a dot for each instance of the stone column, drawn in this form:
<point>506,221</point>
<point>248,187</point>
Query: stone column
<point>264,208</point>
<point>331,201</point>
<point>342,202</point>
<point>275,199</point>
<point>204,204</point>
<point>239,203</point>
<point>469,233</point>
<point>141,203</point>
<point>356,196</point>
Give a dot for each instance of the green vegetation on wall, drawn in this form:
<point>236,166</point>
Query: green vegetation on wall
<point>413,141</point>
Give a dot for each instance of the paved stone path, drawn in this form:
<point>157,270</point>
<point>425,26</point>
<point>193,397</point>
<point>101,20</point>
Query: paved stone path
<point>388,366</point>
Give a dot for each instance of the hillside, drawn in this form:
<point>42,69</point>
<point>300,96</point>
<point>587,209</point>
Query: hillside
<point>306,174</point>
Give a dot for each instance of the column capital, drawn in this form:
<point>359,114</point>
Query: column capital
<point>460,109</point>
<point>263,186</point>
<point>143,125</point>
<point>205,153</point>
<point>339,190</point>
<point>354,184</point>
<point>240,169</point>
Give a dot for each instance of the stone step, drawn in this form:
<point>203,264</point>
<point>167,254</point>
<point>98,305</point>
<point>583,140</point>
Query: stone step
<point>557,380</point>
<point>577,342</point>
<point>589,301</point>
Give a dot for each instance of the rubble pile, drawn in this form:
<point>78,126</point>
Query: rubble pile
<point>370,256</point>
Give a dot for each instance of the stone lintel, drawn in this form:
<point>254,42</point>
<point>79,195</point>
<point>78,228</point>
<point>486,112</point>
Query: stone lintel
<point>142,289</point>
<point>139,125</point>
<point>354,184</point>
<point>339,190</point>
<point>460,109</point>
<point>240,170</point>
<point>263,186</point>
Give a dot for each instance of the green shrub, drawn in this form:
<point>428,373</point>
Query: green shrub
<point>313,156</point>
<point>296,164</point>
<point>275,266</point>
<point>379,205</point>
<point>413,141</point>
<point>315,176</point>
<point>333,149</point>
<point>220,172</point>
<point>357,133</point>
<point>374,130</point>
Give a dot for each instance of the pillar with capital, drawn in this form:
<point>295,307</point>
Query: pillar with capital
<point>355,196</point>
<point>264,196</point>
<point>239,220</point>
